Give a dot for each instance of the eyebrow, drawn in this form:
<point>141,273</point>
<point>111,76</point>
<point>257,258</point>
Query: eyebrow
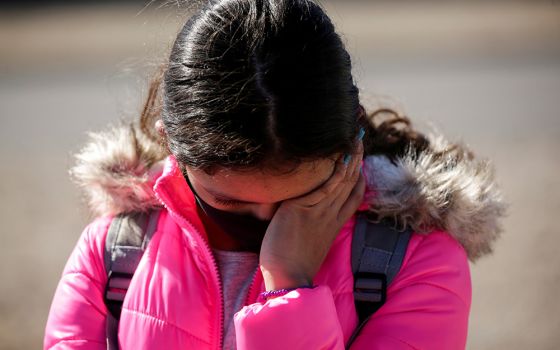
<point>227,198</point>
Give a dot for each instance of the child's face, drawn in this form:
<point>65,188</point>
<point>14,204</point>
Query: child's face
<point>258,193</point>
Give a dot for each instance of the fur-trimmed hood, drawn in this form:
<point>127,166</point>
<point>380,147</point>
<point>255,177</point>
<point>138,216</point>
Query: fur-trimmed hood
<point>453,191</point>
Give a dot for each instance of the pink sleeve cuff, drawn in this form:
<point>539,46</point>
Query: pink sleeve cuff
<point>304,318</point>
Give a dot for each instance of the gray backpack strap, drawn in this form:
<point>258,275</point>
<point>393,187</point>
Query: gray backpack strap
<point>378,250</point>
<point>127,238</point>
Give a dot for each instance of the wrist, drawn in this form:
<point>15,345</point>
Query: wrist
<point>276,281</point>
<point>264,296</point>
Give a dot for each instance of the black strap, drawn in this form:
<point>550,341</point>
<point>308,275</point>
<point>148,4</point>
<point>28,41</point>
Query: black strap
<point>127,238</point>
<point>378,250</point>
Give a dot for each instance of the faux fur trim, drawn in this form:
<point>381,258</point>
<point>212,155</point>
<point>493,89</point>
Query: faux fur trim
<point>453,191</point>
<point>444,188</point>
<point>116,168</point>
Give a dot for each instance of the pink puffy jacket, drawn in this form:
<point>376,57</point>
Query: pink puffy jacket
<point>174,299</point>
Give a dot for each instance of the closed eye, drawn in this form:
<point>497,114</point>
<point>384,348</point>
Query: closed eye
<point>227,202</point>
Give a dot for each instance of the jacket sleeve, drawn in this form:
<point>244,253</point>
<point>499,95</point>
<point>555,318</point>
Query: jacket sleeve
<point>305,318</point>
<point>77,315</point>
<point>427,307</point>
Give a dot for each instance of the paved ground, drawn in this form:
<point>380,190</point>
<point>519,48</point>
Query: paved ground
<point>486,73</point>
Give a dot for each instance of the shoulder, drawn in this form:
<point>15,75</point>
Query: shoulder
<point>428,302</point>
<point>438,260</point>
<point>87,255</point>
<point>436,245</point>
<point>95,233</point>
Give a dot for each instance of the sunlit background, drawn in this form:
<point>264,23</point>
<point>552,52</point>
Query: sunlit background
<point>486,72</point>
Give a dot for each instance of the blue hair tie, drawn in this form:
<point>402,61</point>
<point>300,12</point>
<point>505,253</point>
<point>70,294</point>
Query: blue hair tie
<point>360,136</point>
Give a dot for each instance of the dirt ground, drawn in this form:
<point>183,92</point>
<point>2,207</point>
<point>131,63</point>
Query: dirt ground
<point>484,72</point>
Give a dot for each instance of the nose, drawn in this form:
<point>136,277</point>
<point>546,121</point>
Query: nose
<point>265,211</point>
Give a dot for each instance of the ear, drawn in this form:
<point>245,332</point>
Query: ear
<point>159,128</point>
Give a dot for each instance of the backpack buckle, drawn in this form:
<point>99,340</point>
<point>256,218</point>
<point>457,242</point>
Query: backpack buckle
<point>115,291</point>
<point>117,285</point>
<point>370,287</point>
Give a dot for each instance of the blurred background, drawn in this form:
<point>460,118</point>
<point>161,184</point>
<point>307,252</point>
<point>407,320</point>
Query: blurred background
<point>486,72</point>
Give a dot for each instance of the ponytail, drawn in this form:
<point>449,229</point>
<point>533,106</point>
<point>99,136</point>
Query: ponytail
<point>153,107</point>
<point>391,134</point>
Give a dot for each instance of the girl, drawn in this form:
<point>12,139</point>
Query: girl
<point>254,144</point>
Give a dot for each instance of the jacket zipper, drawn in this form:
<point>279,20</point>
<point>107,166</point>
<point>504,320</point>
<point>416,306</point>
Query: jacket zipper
<point>216,273</point>
<point>250,297</point>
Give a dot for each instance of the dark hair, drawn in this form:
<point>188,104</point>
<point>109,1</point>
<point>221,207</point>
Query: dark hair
<point>261,84</point>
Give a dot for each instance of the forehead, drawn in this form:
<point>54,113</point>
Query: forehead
<point>263,187</point>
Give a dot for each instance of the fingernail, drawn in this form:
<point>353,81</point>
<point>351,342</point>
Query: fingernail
<point>347,158</point>
<point>361,134</point>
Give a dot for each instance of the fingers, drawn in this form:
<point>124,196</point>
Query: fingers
<point>337,188</point>
<point>340,194</point>
<point>325,190</point>
<point>354,200</point>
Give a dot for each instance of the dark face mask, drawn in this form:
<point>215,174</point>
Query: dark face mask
<point>247,230</point>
